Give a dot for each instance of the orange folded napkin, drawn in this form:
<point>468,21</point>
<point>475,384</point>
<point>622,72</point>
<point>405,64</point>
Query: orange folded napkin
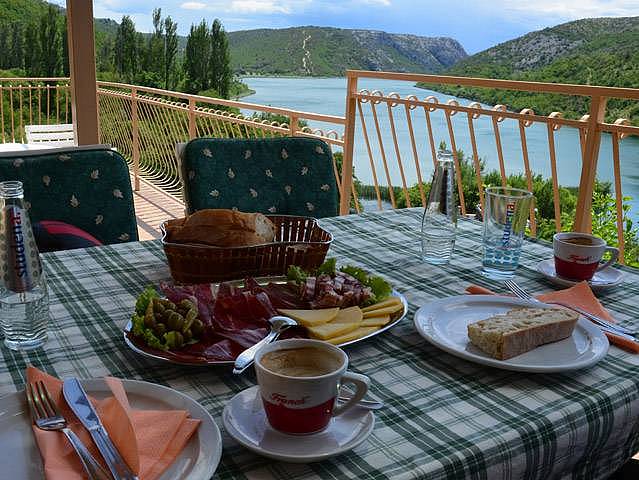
<point>149,440</point>
<point>579,295</point>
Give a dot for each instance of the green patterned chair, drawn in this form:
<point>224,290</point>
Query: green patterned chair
<point>87,187</point>
<point>288,176</point>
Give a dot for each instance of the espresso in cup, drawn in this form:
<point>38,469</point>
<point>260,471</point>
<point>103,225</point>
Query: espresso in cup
<point>578,255</point>
<point>301,362</point>
<point>299,383</point>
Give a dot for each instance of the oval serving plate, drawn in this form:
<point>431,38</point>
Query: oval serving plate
<point>167,357</point>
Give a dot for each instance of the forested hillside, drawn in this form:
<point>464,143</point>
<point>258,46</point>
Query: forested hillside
<point>322,51</point>
<point>597,51</point>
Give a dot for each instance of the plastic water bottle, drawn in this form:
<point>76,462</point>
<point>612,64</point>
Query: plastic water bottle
<point>439,223</point>
<point>24,301</point>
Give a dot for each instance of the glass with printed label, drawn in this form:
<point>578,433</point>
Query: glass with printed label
<point>506,213</point>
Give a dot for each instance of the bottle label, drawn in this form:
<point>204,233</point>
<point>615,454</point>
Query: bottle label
<point>21,268</point>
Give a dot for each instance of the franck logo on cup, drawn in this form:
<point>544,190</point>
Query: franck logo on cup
<point>283,400</point>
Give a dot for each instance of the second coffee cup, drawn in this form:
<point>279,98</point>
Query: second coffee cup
<point>299,383</point>
<point>578,255</point>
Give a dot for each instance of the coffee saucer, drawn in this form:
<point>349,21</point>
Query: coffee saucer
<point>244,420</point>
<point>603,279</point>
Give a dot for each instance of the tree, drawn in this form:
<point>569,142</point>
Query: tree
<point>170,51</point>
<point>126,49</point>
<point>17,55</point>
<point>32,50</point>
<point>154,60</point>
<point>220,63</point>
<point>49,40</point>
<point>197,57</point>
<point>207,63</point>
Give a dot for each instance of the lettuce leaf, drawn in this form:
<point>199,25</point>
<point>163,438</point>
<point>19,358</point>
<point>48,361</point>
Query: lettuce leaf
<point>380,288</point>
<point>144,298</point>
<point>328,267</point>
<point>296,274</point>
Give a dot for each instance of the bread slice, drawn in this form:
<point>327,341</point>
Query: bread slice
<point>521,330</point>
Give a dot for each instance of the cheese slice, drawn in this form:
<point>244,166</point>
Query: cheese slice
<point>376,321</point>
<point>354,335</point>
<point>330,330</point>
<point>311,318</point>
<point>384,311</point>
<point>389,302</point>
<point>349,315</point>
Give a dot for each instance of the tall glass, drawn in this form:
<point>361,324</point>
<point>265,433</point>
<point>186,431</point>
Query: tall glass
<point>506,214</point>
<point>24,300</point>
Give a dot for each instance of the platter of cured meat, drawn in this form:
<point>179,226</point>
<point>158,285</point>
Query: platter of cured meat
<point>211,324</point>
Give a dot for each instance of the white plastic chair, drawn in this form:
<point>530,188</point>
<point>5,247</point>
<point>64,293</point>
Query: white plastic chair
<point>60,135</point>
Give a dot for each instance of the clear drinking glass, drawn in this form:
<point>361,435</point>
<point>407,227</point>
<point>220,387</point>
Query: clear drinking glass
<point>439,223</point>
<point>24,299</point>
<point>506,213</point>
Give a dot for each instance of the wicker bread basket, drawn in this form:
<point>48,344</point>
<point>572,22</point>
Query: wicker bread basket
<point>298,241</point>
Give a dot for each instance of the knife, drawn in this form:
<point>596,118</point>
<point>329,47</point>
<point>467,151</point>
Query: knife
<point>79,402</point>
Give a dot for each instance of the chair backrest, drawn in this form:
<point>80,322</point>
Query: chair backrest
<point>88,187</point>
<point>287,176</point>
<point>61,135</point>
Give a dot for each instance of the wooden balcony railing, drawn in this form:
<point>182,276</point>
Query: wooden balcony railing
<point>389,133</point>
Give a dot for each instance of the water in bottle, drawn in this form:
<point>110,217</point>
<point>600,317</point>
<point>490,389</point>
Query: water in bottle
<point>439,223</point>
<point>24,300</point>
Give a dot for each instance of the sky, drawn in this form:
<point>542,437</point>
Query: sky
<point>477,24</point>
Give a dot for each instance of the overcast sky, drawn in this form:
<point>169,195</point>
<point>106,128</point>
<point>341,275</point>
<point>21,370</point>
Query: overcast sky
<point>476,24</point>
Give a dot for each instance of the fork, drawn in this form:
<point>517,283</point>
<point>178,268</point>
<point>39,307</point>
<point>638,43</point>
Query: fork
<point>604,324</point>
<point>47,417</point>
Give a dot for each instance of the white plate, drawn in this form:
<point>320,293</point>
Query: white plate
<point>244,420</point>
<point>443,323</point>
<point>20,458</point>
<point>603,279</point>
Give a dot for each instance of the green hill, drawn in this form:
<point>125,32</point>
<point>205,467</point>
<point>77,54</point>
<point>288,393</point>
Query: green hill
<point>21,11</point>
<point>596,51</point>
<point>321,51</point>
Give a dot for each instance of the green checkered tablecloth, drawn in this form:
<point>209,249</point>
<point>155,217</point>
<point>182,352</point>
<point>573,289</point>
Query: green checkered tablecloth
<point>444,417</point>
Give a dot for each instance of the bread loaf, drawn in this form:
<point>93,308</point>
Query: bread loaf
<point>521,330</point>
<point>223,228</point>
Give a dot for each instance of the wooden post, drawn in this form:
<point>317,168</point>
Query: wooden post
<point>84,104</point>
<point>192,125</point>
<point>349,141</point>
<point>135,141</point>
<point>292,126</point>
<point>583,219</point>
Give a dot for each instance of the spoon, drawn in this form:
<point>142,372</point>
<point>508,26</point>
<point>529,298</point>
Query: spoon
<point>278,325</point>
<point>367,404</point>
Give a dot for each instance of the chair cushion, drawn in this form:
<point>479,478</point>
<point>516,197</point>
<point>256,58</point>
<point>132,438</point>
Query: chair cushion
<point>89,189</point>
<point>290,176</point>
<point>51,236</point>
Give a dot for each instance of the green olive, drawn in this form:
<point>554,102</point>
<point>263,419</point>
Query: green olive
<point>197,328</point>
<point>160,328</point>
<point>149,317</point>
<point>187,304</point>
<point>157,306</point>
<point>175,321</point>
<point>187,335</point>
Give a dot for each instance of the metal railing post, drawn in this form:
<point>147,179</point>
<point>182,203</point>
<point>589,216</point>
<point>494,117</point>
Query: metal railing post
<point>192,124</point>
<point>349,140</point>
<point>583,218</point>
<point>135,140</point>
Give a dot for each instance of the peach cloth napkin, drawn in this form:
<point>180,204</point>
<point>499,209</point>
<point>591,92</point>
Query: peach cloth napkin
<point>579,295</point>
<point>149,440</point>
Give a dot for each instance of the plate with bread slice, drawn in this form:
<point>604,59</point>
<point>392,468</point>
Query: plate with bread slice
<point>511,334</point>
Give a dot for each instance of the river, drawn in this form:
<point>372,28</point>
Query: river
<point>327,95</point>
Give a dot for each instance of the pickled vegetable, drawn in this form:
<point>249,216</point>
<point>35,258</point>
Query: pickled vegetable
<point>164,325</point>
